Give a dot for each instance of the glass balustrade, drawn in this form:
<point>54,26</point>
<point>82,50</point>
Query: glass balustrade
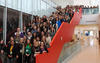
<point>87,11</point>
<point>68,50</point>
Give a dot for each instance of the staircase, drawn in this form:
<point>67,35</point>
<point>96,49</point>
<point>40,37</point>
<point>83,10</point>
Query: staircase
<point>62,36</point>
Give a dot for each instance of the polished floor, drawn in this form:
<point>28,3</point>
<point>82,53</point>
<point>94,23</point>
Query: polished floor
<point>90,52</point>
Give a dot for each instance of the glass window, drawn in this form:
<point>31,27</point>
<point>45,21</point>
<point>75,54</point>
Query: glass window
<point>26,19</point>
<point>1,22</point>
<point>2,2</point>
<point>12,19</point>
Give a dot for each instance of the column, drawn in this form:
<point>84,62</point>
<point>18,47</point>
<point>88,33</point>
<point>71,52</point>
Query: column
<point>5,22</point>
<point>32,10</point>
<point>21,18</point>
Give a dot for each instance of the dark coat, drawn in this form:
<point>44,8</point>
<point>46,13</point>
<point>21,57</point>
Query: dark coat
<point>14,50</point>
<point>2,47</point>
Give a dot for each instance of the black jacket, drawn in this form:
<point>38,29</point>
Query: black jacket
<point>14,50</point>
<point>2,47</point>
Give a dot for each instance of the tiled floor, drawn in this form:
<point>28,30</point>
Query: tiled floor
<point>90,52</point>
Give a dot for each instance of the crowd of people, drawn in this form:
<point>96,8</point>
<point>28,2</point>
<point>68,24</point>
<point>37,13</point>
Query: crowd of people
<point>35,37</point>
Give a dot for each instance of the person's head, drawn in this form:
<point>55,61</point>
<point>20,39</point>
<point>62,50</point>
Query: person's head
<point>21,40</point>
<point>38,39</point>
<point>60,17</point>
<point>35,27</point>
<point>48,35</point>
<point>28,41</point>
<point>44,23</point>
<point>34,40</point>
<point>12,42</point>
<point>42,44</point>
<point>44,16</point>
<point>11,39</point>
<point>51,26</point>
<point>1,42</point>
<point>17,34</point>
<point>42,33</point>
<point>52,12</point>
<point>48,21</point>
<point>43,38</point>
<point>38,29</point>
<point>18,29</point>
<point>66,17</point>
<point>34,34</point>
<point>66,11</point>
<point>39,20</point>
<point>29,33</point>
<point>24,28</point>
<point>78,32</point>
<point>57,18</point>
<point>38,26</point>
<point>52,29</point>
<point>41,25</point>
<point>24,38</point>
<point>45,30</point>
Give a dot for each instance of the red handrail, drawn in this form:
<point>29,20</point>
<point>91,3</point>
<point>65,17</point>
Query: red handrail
<point>63,35</point>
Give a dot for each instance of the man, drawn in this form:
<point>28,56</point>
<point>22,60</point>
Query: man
<point>18,31</point>
<point>11,52</point>
<point>20,51</point>
<point>58,23</point>
<point>44,18</point>
<point>2,51</point>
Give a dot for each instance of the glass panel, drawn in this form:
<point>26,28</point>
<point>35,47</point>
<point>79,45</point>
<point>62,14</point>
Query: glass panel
<point>68,50</point>
<point>12,19</point>
<point>2,2</point>
<point>90,11</point>
<point>43,8</point>
<point>9,3</point>
<point>38,5</point>
<point>26,19</point>
<point>1,22</point>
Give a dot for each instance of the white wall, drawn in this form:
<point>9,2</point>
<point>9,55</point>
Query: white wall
<point>90,19</point>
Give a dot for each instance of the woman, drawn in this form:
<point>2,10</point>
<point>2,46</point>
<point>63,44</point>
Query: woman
<point>45,43</point>
<point>48,38</point>
<point>43,48</point>
<point>20,51</point>
<point>11,52</point>
<point>36,45</point>
<point>2,51</point>
<point>28,51</point>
